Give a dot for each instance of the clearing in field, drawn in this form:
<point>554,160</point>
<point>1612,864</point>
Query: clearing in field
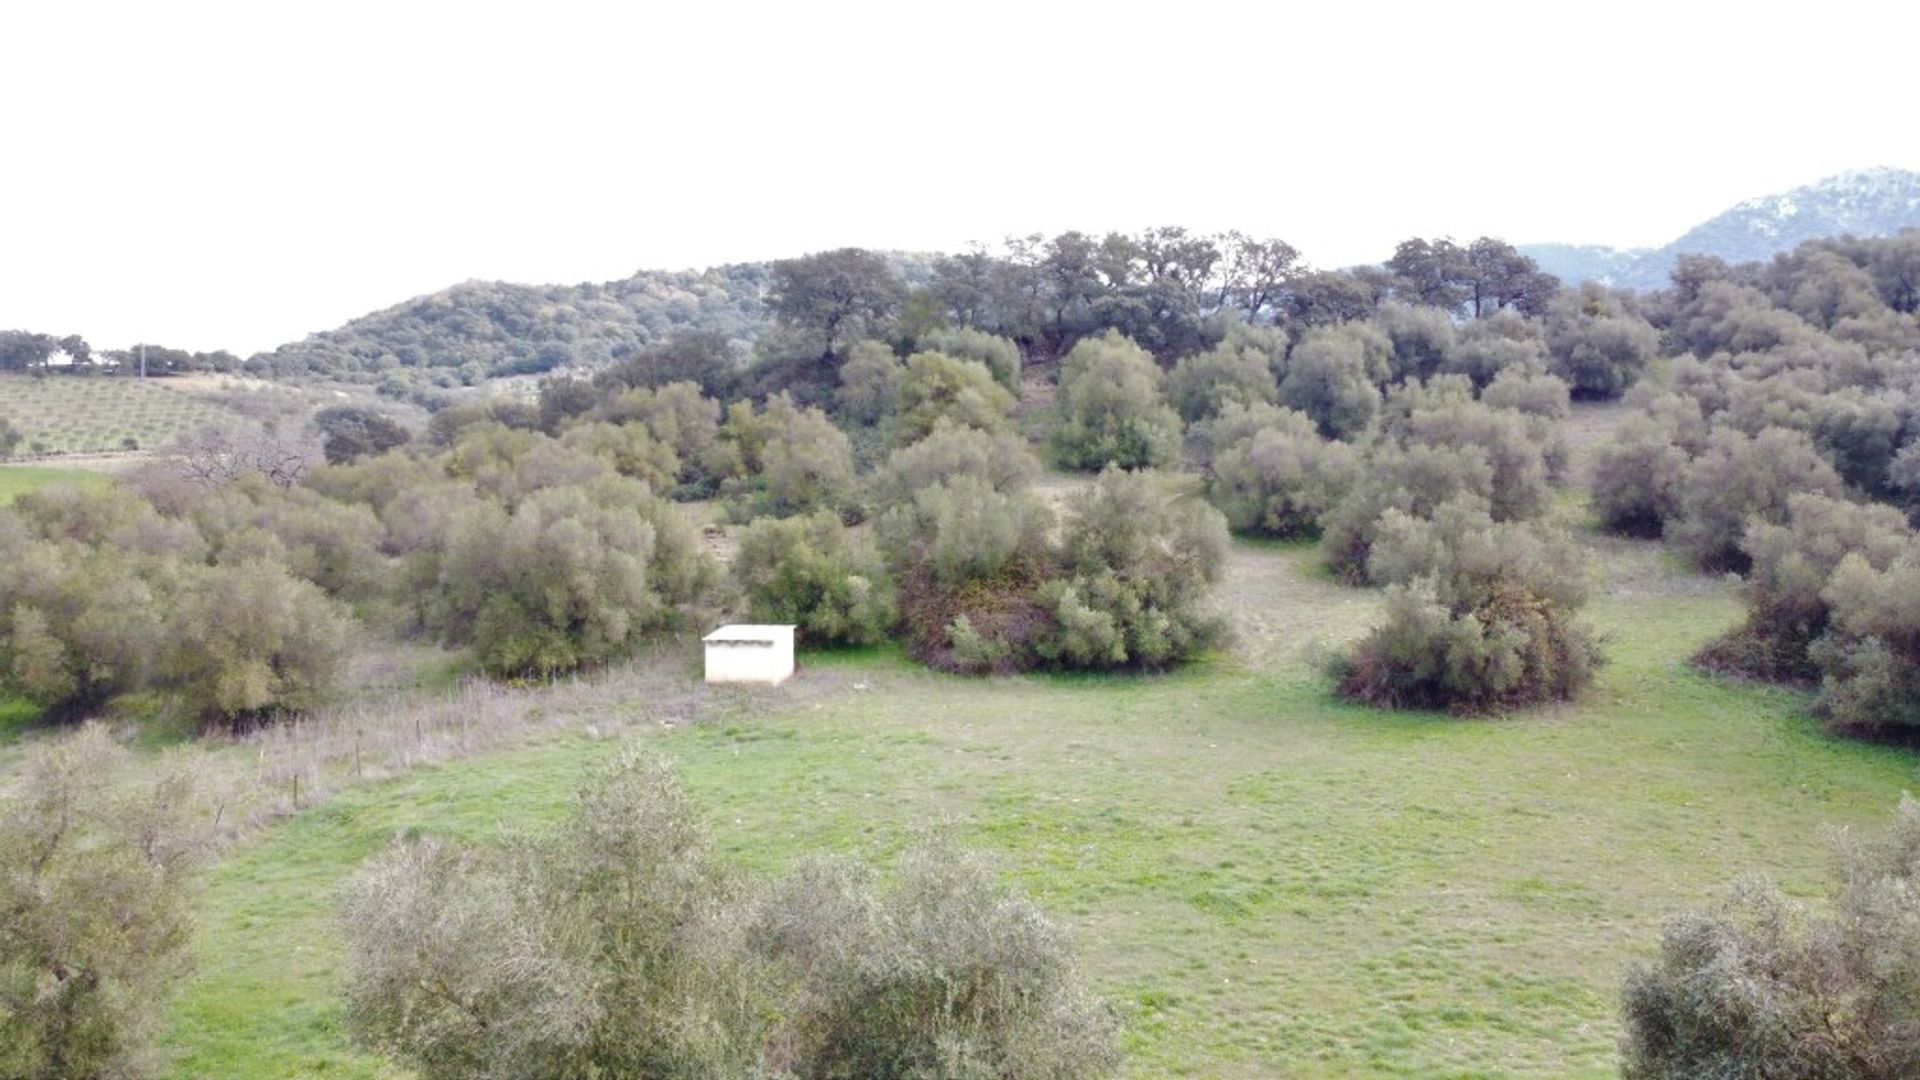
<point>1264,881</point>
<point>19,479</point>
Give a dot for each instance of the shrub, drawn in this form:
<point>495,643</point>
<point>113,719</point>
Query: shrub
<point>1412,479</point>
<point>245,640</point>
<point>679,417</point>
<point>1110,411</point>
<point>1201,385</point>
<point>1001,356</point>
<point>573,576</point>
<point>618,945</point>
<point>9,437</point>
<point>1479,616</point>
<point>788,459</point>
<point>1739,478</point>
<point>1870,658</point>
<point>1280,480</point>
<point>613,945</point>
<point>1331,378</point>
<point>1421,338</point>
<point>1760,985</point>
<point>937,388</point>
<point>1137,563</point>
<point>629,449</point>
<point>1637,479</point>
<point>869,383</point>
<point>96,891</point>
<point>1486,347</point>
<point>1000,458</point>
<point>1596,343</point>
<point>943,972</point>
<point>816,573</point>
<point>1792,565</point>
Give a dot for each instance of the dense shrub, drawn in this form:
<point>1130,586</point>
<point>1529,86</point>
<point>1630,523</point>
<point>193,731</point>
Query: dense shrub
<point>1760,985</point>
<point>1279,480</point>
<point>1002,459</point>
<point>1739,478</point>
<point>1412,479</point>
<point>786,459</point>
<point>98,863</point>
<point>1137,562</point>
<point>351,432</point>
<point>572,576</point>
<point>1479,616</point>
<point>1637,479</point>
<point>1792,565</point>
<point>1110,410</point>
<point>1001,356</point>
<point>1331,377</point>
<point>629,450</point>
<point>618,945</point>
<point>936,389</point>
<point>1870,658</point>
<point>941,972</point>
<point>613,945</point>
<point>869,383</point>
<point>815,573</point>
<point>1202,384</point>
<point>1597,343</point>
<point>680,418</point>
<point>249,639</point>
<point>1421,338</point>
<point>1485,347</point>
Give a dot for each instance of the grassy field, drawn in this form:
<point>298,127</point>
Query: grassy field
<point>1262,880</point>
<point>19,479</point>
<point>90,414</point>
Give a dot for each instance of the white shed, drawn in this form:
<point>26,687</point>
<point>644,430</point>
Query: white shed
<point>750,653</point>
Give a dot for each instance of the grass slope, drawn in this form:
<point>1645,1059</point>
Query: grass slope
<point>1263,880</point>
<point>64,414</point>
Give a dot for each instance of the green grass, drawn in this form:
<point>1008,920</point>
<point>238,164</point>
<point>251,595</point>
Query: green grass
<point>67,414</point>
<point>20,479</point>
<point>1263,880</point>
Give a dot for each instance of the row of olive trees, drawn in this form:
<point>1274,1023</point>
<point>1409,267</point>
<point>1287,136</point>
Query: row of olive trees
<point>618,944</point>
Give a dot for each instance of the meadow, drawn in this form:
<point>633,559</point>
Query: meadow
<point>99,414</point>
<point>1263,881</point>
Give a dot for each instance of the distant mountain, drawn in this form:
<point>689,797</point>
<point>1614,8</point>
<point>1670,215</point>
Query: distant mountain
<point>1864,202</point>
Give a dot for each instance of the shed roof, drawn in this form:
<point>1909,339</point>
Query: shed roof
<point>751,633</point>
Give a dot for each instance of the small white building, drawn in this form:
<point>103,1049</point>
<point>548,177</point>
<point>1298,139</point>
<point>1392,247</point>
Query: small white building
<point>750,653</point>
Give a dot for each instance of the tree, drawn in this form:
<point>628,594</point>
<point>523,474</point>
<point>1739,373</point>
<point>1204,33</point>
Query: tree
<point>351,432</point>
<point>1110,408</point>
<point>1499,277</point>
<point>835,296</point>
<point>99,861</point>
<point>1256,274</point>
<point>1760,985</point>
<point>10,437</point>
<point>1431,272</point>
<point>243,641</point>
<point>705,358</point>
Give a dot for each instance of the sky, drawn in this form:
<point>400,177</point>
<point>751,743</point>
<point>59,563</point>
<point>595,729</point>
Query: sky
<point>235,176</point>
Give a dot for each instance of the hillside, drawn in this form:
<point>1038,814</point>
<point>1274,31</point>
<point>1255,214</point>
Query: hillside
<point>1863,202</point>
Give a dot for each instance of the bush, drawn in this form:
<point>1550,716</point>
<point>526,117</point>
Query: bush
<point>943,972</point>
<point>99,921</point>
<point>1201,385</point>
<point>247,640</point>
<point>613,945</point>
<point>1280,480</point>
<point>939,389</point>
<point>1596,343</point>
<point>1792,565</point>
<point>574,576</point>
<point>1421,338</point>
<point>628,449</point>
<point>1486,347</point>
<point>1001,356</point>
<point>1870,658</point>
<point>1637,479</point>
<point>786,459</point>
<point>1740,478</point>
<point>680,418</point>
<point>1479,616</point>
<point>869,383</point>
<point>1000,458</point>
<point>1110,411</point>
<point>817,574</point>
<point>1412,479</point>
<point>1137,563</point>
<point>618,945</point>
<point>1331,377</point>
<point>1760,985</point>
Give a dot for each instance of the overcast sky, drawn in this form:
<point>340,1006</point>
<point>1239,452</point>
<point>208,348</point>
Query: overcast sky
<point>234,176</point>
